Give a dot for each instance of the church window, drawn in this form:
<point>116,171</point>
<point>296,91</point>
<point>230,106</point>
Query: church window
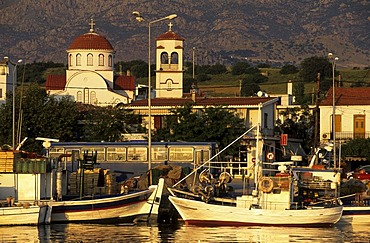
<point>101,60</point>
<point>110,60</point>
<point>78,59</point>
<point>164,58</point>
<point>79,96</point>
<point>86,95</point>
<point>89,59</point>
<point>93,97</point>
<point>70,60</point>
<point>169,84</point>
<point>174,58</point>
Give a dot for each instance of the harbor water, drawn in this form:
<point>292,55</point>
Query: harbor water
<point>180,233</point>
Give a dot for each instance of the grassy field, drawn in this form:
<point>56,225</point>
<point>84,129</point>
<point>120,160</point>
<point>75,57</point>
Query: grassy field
<point>229,85</point>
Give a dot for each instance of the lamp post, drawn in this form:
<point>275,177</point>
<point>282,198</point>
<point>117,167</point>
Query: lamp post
<point>333,62</point>
<point>14,83</point>
<point>140,18</point>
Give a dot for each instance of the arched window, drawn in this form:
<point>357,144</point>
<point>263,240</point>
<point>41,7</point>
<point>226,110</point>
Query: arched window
<point>174,58</point>
<point>164,58</point>
<point>101,60</point>
<point>89,59</point>
<point>70,60</point>
<point>110,60</point>
<point>79,96</point>
<point>93,97</point>
<point>78,59</point>
<point>169,84</point>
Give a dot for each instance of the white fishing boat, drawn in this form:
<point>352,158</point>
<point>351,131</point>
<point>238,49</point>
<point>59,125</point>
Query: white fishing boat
<point>23,215</point>
<point>130,207</point>
<point>277,199</point>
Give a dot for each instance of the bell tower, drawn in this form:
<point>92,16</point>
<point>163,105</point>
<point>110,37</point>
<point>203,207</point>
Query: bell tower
<point>169,65</point>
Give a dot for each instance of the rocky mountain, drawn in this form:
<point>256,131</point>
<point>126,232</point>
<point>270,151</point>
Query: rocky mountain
<point>221,31</point>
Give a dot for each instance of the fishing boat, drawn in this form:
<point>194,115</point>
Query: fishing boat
<point>276,199</point>
<point>24,214</point>
<point>127,207</point>
<point>21,190</point>
<point>356,206</point>
<point>93,206</point>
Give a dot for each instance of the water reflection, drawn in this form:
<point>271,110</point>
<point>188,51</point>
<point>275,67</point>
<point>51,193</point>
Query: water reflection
<point>180,233</point>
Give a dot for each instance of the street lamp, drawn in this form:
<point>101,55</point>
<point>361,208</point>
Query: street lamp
<point>14,83</point>
<point>140,18</point>
<point>333,62</point>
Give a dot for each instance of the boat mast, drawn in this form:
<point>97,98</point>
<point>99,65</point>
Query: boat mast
<point>257,165</point>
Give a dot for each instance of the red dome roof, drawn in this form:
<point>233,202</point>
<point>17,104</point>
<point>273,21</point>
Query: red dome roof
<point>91,41</point>
<point>170,35</point>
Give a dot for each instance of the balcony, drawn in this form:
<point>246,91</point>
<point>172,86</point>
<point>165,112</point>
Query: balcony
<point>346,135</point>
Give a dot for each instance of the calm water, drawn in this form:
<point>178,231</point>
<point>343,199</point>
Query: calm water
<point>180,233</point>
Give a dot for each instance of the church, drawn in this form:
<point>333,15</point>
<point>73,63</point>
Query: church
<point>90,76</point>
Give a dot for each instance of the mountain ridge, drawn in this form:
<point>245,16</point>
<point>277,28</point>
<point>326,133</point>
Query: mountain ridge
<point>272,31</point>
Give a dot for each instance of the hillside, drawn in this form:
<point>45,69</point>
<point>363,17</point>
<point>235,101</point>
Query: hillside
<point>274,31</point>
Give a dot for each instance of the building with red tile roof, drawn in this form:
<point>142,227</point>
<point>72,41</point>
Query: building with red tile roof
<point>352,113</point>
<point>90,77</point>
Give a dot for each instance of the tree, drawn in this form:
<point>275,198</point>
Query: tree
<point>313,65</point>
<point>108,123</point>
<point>249,88</point>
<point>186,124</point>
<point>289,69</point>
<point>298,123</point>
<point>357,147</point>
<point>240,68</point>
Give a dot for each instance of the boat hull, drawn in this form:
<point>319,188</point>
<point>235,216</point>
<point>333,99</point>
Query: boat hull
<point>114,209</point>
<point>19,215</point>
<point>200,213</point>
<point>356,215</point>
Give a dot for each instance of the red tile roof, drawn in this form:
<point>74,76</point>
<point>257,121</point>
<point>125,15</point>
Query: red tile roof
<point>204,101</point>
<point>347,96</point>
<point>124,83</point>
<point>90,41</point>
<point>55,82</point>
<point>169,35</point>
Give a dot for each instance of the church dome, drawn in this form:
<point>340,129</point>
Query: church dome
<point>90,41</point>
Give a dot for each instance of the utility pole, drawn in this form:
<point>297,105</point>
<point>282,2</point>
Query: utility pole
<point>317,115</point>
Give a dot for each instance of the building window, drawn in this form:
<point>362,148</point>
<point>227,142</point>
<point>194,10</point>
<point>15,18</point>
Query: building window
<point>164,58</point>
<point>110,60</point>
<point>78,59</point>
<point>174,58</point>
<point>101,60</point>
<point>89,59</point>
<point>93,97</point>
<point>169,84</point>
<point>1,93</point>
<point>70,60</point>
<point>79,96</point>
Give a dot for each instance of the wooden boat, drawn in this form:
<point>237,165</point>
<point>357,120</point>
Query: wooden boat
<point>357,209</point>
<point>129,207</point>
<point>276,200</point>
<point>25,215</point>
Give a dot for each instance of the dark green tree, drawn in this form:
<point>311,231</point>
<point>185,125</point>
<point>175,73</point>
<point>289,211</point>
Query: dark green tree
<point>359,147</point>
<point>249,88</point>
<point>187,124</point>
<point>298,123</point>
<point>108,123</point>
<point>240,68</point>
<point>289,69</point>
<point>313,65</point>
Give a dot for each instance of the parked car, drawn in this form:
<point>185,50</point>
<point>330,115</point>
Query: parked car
<point>361,173</point>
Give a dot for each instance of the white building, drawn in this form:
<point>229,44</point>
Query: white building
<point>7,74</point>
<point>90,77</point>
<point>169,65</point>
<point>352,109</point>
